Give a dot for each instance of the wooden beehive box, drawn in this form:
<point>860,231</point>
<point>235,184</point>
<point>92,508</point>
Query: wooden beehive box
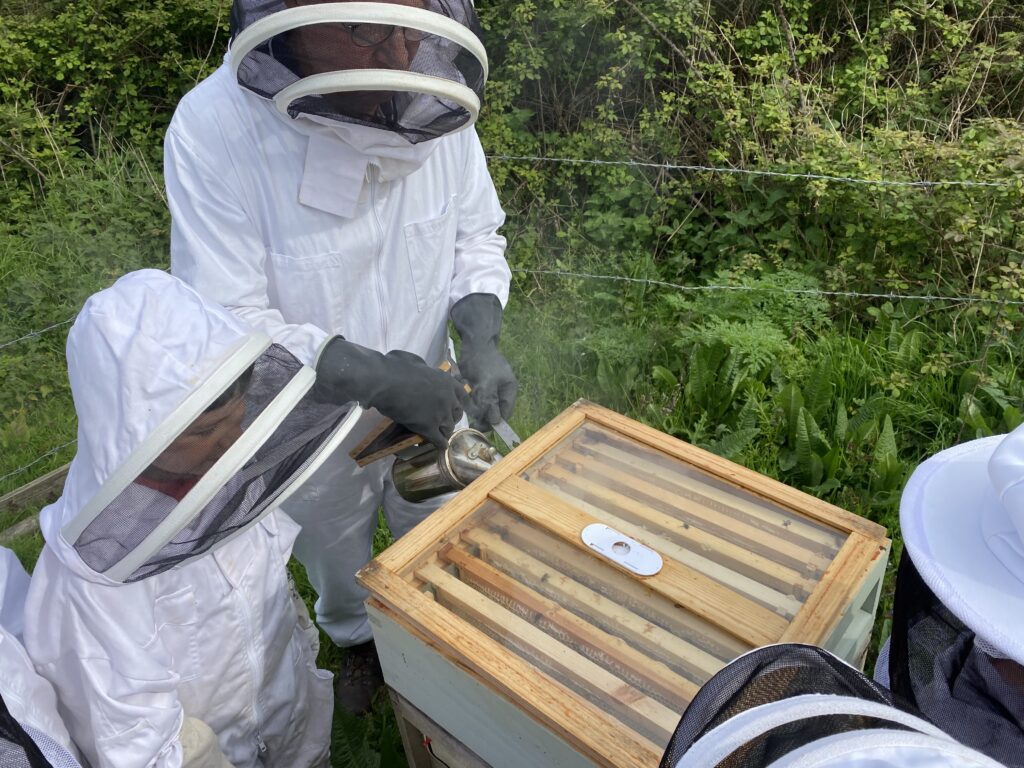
<point>495,619</point>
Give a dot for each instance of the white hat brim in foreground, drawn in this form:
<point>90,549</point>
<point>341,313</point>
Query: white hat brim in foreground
<point>956,531</point>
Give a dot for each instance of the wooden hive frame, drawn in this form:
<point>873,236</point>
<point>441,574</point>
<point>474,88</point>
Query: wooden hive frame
<point>646,691</point>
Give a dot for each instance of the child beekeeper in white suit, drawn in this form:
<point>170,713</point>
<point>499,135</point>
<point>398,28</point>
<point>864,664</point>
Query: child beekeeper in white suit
<point>161,608</point>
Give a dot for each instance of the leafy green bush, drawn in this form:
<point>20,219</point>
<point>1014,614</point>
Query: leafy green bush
<point>88,74</point>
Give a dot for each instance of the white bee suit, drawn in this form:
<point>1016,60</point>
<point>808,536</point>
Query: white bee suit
<point>308,229</point>
<point>217,637</point>
<point>28,696</point>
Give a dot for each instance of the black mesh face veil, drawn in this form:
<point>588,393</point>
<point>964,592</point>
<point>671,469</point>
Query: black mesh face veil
<point>199,481</point>
<point>17,749</point>
<point>937,664</point>
<point>798,706</point>
<point>413,67</point>
<point>767,675</point>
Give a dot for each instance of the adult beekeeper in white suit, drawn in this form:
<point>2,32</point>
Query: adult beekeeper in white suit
<point>161,608</point>
<point>31,730</point>
<point>326,183</point>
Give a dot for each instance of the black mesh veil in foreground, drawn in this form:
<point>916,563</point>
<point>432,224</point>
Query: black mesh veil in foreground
<point>288,57</point>
<point>240,499</point>
<point>17,749</point>
<point>769,675</point>
<point>936,664</point>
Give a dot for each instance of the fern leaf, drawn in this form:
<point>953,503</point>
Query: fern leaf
<point>885,460</point>
<point>791,400</point>
<point>734,443</point>
<point>864,421</point>
<point>910,348</point>
<point>839,432</point>
<point>803,445</point>
<point>818,390</point>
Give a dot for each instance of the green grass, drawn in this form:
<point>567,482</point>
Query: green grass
<point>100,218</point>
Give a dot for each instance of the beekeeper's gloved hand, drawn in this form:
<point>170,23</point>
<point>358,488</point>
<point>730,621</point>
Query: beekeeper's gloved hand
<point>477,318</point>
<point>399,385</point>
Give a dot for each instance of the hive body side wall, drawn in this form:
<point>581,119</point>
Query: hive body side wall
<point>483,721</point>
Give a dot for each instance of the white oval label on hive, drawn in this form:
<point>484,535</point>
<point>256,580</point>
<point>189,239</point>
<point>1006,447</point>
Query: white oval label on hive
<point>621,549</point>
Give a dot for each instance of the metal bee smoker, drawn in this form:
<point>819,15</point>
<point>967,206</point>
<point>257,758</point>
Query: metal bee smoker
<point>426,471</point>
<point>423,470</point>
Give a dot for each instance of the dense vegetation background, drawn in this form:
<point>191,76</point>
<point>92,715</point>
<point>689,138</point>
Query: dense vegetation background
<point>765,316</point>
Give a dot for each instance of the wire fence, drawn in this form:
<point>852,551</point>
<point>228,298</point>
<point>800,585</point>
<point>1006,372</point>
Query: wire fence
<point>695,168</point>
<point>771,289</point>
<point>52,452</point>
<point>919,183</point>
<point>33,334</point>
<point>710,287</point>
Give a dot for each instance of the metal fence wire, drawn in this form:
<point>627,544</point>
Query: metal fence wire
<point>711,287</point>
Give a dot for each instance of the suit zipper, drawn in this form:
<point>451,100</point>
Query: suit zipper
<point>372,173</point>
<point>254,663</point>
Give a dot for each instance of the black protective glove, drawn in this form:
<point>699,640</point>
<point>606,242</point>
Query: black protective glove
<point>477,318</point>
<point>399,384</point>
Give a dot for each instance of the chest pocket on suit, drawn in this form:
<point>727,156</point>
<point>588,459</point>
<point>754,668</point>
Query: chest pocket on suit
<point>430,246</point>
<point>177,618</point>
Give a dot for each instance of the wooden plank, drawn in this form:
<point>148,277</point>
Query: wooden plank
<point>693,660</point>
<point>601,504</point>
<point>648,717</point>
<point>738,505</point>
<point>738,564</point>
<point>849,638</point>
<point>628,662</point>
<point>632,595</point>
<point>691,589</point>
<point>23,528</point>
<point>562,588</point>
<point>837,588</point>
<point>438,528</point>
<point>733,473</point>
<point>649,505</point>
<point>43,489</point>
<point>576,722</point>
<point>736,511</point>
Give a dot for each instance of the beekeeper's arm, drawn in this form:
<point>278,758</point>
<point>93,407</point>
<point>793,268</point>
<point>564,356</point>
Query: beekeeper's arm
<point>480,265</point>
<point>216,248</point>
<point>479,292</point>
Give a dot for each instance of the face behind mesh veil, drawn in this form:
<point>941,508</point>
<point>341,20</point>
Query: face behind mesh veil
<point>221,461</point>
<point>784,704</point>
<point>413,67</point>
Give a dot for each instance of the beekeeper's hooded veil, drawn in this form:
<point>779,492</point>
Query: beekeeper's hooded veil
<point>191,427</point>
<point>413,67</point>
<point>957,645</point>
<point>798,706</point>
<point>162,593</point>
